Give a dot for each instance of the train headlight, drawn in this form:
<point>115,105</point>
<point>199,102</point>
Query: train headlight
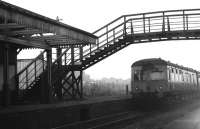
<point>160,87</point>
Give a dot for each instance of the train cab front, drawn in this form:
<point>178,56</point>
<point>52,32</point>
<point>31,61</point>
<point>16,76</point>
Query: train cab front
<point>148,81</point>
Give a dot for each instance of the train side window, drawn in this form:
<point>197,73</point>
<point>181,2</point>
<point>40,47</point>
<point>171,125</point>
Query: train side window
<point>193,79</point>
<point>183,77</point>
<point>176,71</point>
<point>136,76</point>
<point>172,70</point>
<point>187,76</point>
<point>190,78</point>
<point>169,74</point>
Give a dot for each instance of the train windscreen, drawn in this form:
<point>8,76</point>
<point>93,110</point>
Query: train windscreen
<point>148,72</point>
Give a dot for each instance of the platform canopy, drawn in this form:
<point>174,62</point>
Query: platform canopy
<point>24,28</point>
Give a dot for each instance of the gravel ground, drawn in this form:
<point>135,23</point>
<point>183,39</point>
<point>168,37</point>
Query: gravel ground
<point>172,119</point>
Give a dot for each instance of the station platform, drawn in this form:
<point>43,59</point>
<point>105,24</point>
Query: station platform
<point>86,100</point>
<point>53,115</point>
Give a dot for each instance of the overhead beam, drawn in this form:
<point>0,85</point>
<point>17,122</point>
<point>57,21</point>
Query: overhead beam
<point>11,26</point>
<point>23,42</point>
<point>59,40</point>
<point>21,32</point>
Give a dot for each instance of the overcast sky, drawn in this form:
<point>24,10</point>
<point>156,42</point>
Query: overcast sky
<point>90,15</point>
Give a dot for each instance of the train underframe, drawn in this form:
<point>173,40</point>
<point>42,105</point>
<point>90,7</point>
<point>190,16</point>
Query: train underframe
<point>153,99</point>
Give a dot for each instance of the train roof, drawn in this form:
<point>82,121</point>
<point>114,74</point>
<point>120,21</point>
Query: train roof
<point>160,62</point>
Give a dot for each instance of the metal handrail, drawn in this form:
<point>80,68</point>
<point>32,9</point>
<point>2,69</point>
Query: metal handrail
<point>28,73</point>
<point>138,14</point>
<point>31,63</point>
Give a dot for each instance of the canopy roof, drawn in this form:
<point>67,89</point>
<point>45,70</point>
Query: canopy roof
<point>23,27</point>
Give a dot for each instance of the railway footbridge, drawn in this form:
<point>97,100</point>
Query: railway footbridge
<point>46,79</point>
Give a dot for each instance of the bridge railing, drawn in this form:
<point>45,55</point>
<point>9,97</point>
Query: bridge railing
<point>177,19</point>
<point>164,21</point>
<point>159,21</point>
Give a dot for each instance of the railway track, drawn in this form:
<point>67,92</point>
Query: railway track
<point>106,122</point>
<point>120,120</point>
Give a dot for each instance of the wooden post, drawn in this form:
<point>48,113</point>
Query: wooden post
<point>127,90</point>
<point>72,72</point>
<point>81,53</point>
<point>73,84</point>
<point>6,91</point>
<point>58,86</point>
<point>49,85</point>
<point>16,79</point>
<point>81,84</point>
<point>59,51</point>
<point>45,93</point>
<point>72,54</point>
<point>81,77</point>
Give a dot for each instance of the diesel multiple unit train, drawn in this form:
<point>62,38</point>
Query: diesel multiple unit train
<point>157,78</point>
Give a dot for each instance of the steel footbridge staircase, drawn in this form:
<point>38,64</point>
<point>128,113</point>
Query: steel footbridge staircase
<point>116,35</point>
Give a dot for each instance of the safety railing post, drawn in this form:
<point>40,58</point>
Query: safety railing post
<point>35,69</point>
<point>183,20</point>
<point>144,26</point>
<point>107,35</point>
<point>114,36</point>
<point>90,49</point>
<point>125,25</point>
<point>186,22</point>
<point>43,63</point>
<point>131,26</point>
<point>26,77</point>
<point>149,22</point>
<point>163,24</point>
<point>98,43</point>
<point>168,24</point>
